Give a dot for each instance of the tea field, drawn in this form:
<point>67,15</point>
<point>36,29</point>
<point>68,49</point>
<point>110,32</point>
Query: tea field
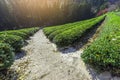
<point>104,52</point>
<point>65,35</point>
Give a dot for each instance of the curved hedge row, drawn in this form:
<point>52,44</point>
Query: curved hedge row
<point>12,41</point>
<point>17,33</point>
<point>50,30</point>
<point>104,52</point>
<point>67,34</point>
<point>68,37</point>
<point>29,31</point>
<point>65,28</point>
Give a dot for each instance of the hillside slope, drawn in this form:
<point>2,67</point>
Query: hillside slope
<point>42,60</point>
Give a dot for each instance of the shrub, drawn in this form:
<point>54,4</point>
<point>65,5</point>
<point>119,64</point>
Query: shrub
<point>68,27</point>
<point>29,31</point>
<point>17,33</point>
<point>53,34</point>
<point>69,36</point>
<point>6,56</point>
<point>24,33</point>
<point>104,52</point>
<point>10,41</point>
<point>16,37</point>
<point>15,41</point>
<point>50,30</point>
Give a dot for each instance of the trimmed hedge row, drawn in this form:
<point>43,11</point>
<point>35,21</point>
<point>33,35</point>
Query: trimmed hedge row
<point>12,41</point>
<point>24,33</point>
<point>67,34</point>
<point>17,33</point>
<point>50,30</point>
<point>65,28</point>
<point>15,41</point>
<point>104,52</point>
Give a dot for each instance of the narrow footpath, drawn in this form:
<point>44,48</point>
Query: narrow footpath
<point>44,62</point>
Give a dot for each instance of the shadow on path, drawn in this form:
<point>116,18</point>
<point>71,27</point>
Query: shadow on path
<point>10,74</point>
<point>20,55</point>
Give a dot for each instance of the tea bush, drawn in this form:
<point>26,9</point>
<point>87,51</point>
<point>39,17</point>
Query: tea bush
<point>16,38</point>
<point>15,41</point>
<point>6,56</point>
<point>104,52</point>
<point>29,31</point>
<point>17,33</point>
<point>67,34</point>
<point>50,30</point>
<point>68,37</point>
<point>65,28</point>
<point>12,41</point>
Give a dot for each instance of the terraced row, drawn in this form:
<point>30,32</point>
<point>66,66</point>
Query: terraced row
<point>67,34</point>
<point>10,42</point>
<point>104,52</point>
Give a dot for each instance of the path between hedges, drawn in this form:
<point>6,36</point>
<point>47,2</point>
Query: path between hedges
<point>44,62</point>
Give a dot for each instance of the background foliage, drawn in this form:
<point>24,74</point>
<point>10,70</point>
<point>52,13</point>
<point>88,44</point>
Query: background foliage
<point>24,13</point>
<point>28,13</point>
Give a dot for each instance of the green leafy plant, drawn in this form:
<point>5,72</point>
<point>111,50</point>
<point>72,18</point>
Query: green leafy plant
<point>104,52</point>
<point>14,32</point>
<point>6,56</point>
<point>29,31</point>
<point>49,30</point>
<point>12,41</point>
<point>15,41</point>
<point>65,35</point>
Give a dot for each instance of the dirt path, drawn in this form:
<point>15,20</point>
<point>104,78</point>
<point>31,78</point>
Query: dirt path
<point>44,62</point>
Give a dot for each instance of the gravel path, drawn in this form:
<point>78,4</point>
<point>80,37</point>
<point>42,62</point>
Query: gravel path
<point>44,62</point>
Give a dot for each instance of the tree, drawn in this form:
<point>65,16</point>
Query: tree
<point>29,13</point>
